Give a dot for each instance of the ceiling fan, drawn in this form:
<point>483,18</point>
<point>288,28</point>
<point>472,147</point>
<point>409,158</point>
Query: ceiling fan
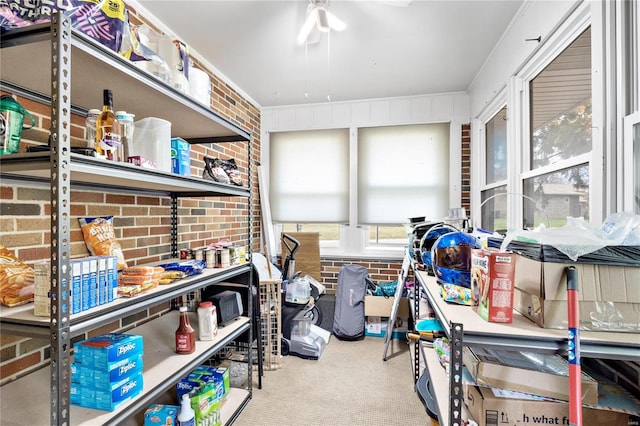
<point>318,17</point>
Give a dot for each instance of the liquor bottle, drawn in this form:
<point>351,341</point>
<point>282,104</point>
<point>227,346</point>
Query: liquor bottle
<point>185,334</point>
<point>108,132</point>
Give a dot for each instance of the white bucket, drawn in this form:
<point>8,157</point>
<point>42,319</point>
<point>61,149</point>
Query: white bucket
<point>153,142</point>
<point>200,85</point>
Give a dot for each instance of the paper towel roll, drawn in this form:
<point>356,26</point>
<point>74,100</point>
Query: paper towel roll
<point>200,85</point>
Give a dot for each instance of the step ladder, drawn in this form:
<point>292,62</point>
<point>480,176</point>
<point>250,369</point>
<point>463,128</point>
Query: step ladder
<point>402,277</point>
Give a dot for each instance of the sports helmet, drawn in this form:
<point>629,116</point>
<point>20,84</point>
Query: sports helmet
<point>429,238</point>
<point>451,258</point>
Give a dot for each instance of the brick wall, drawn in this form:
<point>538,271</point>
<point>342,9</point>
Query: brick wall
<point>465,196</point>
<point>142,223</point>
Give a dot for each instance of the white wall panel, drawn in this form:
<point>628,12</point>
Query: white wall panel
<point>536,18</point>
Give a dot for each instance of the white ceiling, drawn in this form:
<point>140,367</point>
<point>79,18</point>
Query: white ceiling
<point>430,46</point>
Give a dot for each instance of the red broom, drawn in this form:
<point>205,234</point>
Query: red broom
<point>575,379</point>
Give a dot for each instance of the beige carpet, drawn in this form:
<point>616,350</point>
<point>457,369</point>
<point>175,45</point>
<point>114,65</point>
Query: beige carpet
<point>350,385</point>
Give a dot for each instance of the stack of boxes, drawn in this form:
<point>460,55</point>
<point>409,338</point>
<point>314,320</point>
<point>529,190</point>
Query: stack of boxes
<point>207,388</point>
<point>107,371</point>
<point>94,282</point>
<point>180,157</point>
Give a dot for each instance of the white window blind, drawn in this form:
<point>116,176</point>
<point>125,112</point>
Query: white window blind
<point>403,172</point>
<point>309,176</point>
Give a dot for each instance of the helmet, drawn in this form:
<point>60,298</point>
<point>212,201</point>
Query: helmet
<point>430,237</point>
<point>451,258</point>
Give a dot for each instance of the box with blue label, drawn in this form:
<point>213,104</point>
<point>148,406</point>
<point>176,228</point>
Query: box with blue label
<point>180,157</point>
<point>377,327</point>
<point>104,378</point>
<point>161,415</point>
<point>106,350</point>
<point>107,399</point>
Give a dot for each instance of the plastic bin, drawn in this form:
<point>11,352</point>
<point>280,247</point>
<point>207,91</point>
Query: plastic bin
<point>153,142</point>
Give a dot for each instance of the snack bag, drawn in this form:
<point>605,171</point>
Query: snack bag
<point>100,238</point>
<point>16,279</point>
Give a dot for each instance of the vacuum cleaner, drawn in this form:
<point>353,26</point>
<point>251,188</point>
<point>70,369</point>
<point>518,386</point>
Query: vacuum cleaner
<point>300,314</point>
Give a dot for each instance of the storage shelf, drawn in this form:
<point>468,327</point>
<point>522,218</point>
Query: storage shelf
<point>57,65</point>
<point>523,334</point>
<point>95,173</point>
<point>21,319</point>
<point>162,369</point>
<point>94,68</point>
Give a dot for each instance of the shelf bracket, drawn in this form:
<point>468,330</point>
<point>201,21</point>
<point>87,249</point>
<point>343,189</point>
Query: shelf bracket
<point>455,375</point>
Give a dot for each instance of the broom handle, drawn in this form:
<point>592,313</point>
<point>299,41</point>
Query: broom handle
<point>575,382</point>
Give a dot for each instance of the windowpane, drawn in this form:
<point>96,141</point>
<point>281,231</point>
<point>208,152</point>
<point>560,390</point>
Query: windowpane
<point>403,172</point>
<point>552,197</point>
<point>387,235</point>
<point>328,231</point>
<point>496,141</point>
<point>309,176</point>
<point>561,106</point>
<point>494,209</point>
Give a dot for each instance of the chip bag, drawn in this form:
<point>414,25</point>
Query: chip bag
<point>16,279</point>
<point>100,238</point>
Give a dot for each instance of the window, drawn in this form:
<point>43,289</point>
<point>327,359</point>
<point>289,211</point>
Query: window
<point>309,176</point>
<point>494,195</point>
<point>360,201</point>
<point>560,123</point>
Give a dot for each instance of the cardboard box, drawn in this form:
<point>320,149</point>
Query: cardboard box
<point>492,277</point>
<point>380,306</point>
<point>180,157</point>
<point>106,350</point>
<point>609,295</point>
<point>488,409</point>
<point>161,415</point>
<point>534,373</point>
<point>377,327</point>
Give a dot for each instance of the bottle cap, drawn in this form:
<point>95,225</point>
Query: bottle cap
<point>206,304</point>
<point>94,111</point>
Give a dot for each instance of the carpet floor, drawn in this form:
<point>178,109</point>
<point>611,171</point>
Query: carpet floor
<point>349,385</point>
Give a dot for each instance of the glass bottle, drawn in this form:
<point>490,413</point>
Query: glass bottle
<point>108,133</point>
<point>185,334</point>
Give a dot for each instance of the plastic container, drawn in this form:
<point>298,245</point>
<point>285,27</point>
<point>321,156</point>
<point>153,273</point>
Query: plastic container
<point>90,124</point>
<point>153,142</point>
<point>200,85</point>
<point>207,322</point>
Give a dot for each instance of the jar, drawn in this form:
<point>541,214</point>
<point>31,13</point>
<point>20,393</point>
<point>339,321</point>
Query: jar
<point>185,334</point>
<point>127,127</point>
<point>90,127</point>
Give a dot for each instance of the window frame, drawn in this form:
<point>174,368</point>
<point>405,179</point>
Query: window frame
<point>569,31</point>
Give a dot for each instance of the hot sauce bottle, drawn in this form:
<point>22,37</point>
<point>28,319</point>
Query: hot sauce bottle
<point>185,334</point>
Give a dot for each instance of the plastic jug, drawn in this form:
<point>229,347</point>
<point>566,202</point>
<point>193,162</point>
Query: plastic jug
<point>11,124</point>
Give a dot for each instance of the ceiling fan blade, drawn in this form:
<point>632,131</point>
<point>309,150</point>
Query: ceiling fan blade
<point>335,23</point>
<point>308,24</point>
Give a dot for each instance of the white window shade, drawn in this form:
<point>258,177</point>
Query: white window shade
<point>309,176</point>
<point>403,172</point>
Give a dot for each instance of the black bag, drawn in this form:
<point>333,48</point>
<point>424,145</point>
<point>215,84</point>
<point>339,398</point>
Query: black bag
<point>349,320</point>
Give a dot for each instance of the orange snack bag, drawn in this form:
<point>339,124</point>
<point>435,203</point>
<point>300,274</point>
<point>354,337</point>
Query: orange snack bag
<point>100,238</point>
<point>16,279</point>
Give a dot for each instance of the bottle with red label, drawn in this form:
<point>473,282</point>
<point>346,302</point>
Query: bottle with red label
<point>185,334</point>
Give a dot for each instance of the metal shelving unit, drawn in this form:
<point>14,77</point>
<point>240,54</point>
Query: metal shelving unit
<point>464,328</point>
<point>56,64</point>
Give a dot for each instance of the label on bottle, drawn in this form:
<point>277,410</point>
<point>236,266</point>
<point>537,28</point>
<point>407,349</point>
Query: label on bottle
<point>183,343</point>
<point>110,140</point>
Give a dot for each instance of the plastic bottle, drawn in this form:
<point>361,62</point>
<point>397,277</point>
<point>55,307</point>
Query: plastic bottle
<point>127,127</point>
<point>108,133</point>
<point>186,416</point>
<point>185,334</point>
<point>207,323</point>
<point>90,126</point>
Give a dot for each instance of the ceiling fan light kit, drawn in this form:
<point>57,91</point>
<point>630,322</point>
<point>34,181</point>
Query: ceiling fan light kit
<point>318,14</point>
